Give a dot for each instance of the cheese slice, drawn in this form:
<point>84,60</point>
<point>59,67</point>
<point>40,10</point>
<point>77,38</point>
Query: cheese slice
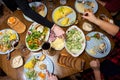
<point>58,44</point>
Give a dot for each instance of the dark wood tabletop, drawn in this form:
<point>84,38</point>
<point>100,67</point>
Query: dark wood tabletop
<point>61,72</point>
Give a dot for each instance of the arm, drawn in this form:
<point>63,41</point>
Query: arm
<point>108,27</point>
<point>95,65</point>
<point>23,5</point>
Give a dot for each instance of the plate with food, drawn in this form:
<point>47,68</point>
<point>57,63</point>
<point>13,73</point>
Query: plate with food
<point>86,5</point>
<point>75,41</point>
<point>98,45</point>
<point>105,18</point>
<point>36,36</point>
<point>8,38</point>
<point>58,43</point>
<point>36,66</point>
<point>64,16</point>
<point>38,7</point>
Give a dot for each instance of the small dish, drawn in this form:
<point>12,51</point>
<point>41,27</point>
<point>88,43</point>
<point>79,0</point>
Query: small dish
<point>105,18</point>
<point>16,61</point>
<point>87,26</point>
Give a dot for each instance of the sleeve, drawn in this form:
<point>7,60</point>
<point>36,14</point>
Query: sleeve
<point>23,5</point>
<point>117,37</point>
<point>112,5</point>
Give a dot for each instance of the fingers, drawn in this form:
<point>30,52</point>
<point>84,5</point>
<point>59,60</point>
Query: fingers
<point>47,73</point>
<point>51,76</point>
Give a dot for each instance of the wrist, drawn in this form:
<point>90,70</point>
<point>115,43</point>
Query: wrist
<point>97,21</point>
<point>96,70</point>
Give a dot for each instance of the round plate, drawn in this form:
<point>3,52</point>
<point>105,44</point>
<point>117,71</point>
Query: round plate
<point>31,30</point>
<point>93,43</point>
<point>76,41</point>
<point>64,16</point>
<point>7,34</point>
<point>35,4</point>
<point>80,7</point>
<point>47,61</point>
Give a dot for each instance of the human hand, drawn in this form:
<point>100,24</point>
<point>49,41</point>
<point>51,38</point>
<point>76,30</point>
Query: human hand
<point>57,30</point>
<point>89,16</point>
<point>95,64</point>
<point>51,76</point>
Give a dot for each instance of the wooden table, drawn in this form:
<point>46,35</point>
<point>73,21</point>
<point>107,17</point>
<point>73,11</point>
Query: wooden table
<point>17,74</point>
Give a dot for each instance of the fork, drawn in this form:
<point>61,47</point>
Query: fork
<point>14,44</point>
<point>79,1</point>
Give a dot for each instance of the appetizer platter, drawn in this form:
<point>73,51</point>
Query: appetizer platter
<point>98,45</point>
<point>36,66</point>
<point>36,36</point>
<point>64,16</point>
<point>8,38</point>
<point>38,7</point>
<point>87,5</point>
<point>75,41</point>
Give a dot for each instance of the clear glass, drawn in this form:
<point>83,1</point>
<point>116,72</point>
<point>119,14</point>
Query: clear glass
<point>63,2</point>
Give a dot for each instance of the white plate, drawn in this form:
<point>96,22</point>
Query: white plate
<point>80,8</point>
<point>47,61</point>
<point>6,31</point>
<point>93,43</point>
<point>71,16</point>
<point>32,26</point>
<point>82,41</point>
<point>35,4</point>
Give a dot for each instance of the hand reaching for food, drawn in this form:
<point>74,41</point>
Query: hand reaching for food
<point>51,76</point>
<point>89,16</point>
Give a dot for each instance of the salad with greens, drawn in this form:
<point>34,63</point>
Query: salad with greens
<point>75,41</point>
<point>36,35</point>
<point>7,37</point>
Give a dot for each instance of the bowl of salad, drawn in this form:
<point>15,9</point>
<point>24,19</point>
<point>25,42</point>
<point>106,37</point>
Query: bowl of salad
<point>75,41</point>
<point>36,36</point>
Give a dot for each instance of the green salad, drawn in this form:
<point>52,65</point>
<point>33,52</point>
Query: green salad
<point>36,38</point>
<point>74,40</point>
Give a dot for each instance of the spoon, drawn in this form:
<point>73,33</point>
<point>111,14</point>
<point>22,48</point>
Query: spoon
<point>14,44</point>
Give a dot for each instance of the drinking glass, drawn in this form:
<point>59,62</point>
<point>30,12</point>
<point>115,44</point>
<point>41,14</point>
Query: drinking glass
<point>23,50</point>
<point>46,48</point>
<point>63,2</point>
